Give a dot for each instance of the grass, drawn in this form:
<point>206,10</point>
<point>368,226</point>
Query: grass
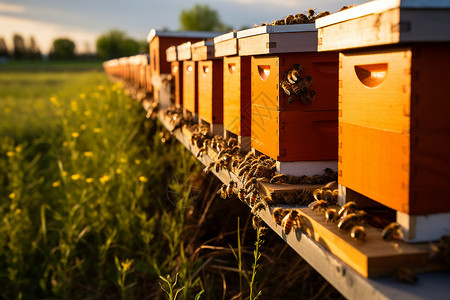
<point>95,206</point>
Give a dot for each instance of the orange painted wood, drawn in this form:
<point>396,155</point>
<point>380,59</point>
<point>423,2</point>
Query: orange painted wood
<point>210,91</point>
<point>236,95</point>
<point>190,86</point>
<point>395,138</point>
<point>295,132</point>
<point>177,74</point>
<point>148,76</point>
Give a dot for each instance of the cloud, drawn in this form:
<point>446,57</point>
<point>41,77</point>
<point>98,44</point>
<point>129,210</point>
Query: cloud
<point>45,32</point>
<point>12,8</point>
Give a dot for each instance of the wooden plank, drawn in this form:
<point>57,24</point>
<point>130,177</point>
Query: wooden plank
<point>271,43</point>
<point>184,51</point>
<point>190,86</point>
<point>275,29</point>
<point>226,48</point>
<point>171,54</point>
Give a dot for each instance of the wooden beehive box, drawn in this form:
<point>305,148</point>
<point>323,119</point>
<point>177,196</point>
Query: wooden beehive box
<point>277,39</point>
<point>143,71</point>
<point>394,133</point>
<point>237,98</point>
<point>225,45</point>
<point>190,87</point>
<point>177,74</point>
<point>203,50</point>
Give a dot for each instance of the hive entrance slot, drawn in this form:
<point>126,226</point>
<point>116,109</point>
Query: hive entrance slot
<point>205,70</point>
<point>264,71</point>
<point>231,68</point>
<point>371,75</point>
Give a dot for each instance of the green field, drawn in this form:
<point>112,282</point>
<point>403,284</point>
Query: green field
<point>95,206</point>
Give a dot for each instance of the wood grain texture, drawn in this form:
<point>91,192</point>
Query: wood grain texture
<point>177,73</point>
<point>226,48</point>
<point>272,43</point>
<point>236,95</point>
<point>210,91</point>
<point>190,86</point>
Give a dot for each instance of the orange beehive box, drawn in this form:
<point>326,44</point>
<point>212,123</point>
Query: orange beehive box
<point>203,50</point>
<point>237,95</point>
<point>177,74</point>
<point>190,86</point>
<point>394,134</point>
<point>295,131</point>
<point>210,93</point>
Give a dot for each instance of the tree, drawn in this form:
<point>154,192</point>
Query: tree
<point>3,48</point>
<point>63,48</point>
<point>203,18</point>
<point>33,51</point>
<point>20,51</point>
<point>115,43</point>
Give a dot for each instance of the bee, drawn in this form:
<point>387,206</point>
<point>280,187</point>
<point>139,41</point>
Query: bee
<point>230,188</point>
<point>217,167</point>
<point>267,200</point>
<point>302,87</point>
<point>223,152</point>
<point>232,142</point>
<point>241,195</point>
<point>289,20</point>
<point>289,77</point>
<point>279,214</point>
<point>331,215</point>
<point>287,87</point>
<point>206,143</point>
<point>256,222</point>
<point>311,14</point>
<point>242,170</point>
<point>352,219</point>
<point>322,14</point>
<point>347,208</point>
<point>308,82</point>
<point>251,183</point>
<point>289,221</point>
<point>263,171</point>
<point>236,149</point>
<point>252,196</point>
<point>280,178</point>
<point>222,191</point>
<point>406,275</point>
<point>297,90</point>
<point>259,206</point>
<point>301,18</point>
<point>306,99</point>
<point>303,197</point>
<point>235,162</point>
<point>358,233</point>
<point>318,205</point>
<point>291,99</point>
<point>223,164</point>
<point>262,230</point>
<point>279,22</point>
<point>202,151</point>
<point>209,167</point>
<point>392,232</point>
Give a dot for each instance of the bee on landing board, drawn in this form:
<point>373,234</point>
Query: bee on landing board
<point>258,206</point>
<point>331,215</point>
<point>222,191</point>
<point>252,196</point>
<point>348,207</point>
<point>242,195</point>
<point>289,221</point>
<point>318,205</point>
<point>230,188</point>
<point>357,218</point>
<point>392,232</point>
<point>279,214</point>
<point>209,167</point>
<point>358,233</point>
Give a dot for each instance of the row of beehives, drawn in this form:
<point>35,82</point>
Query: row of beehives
<point>365,92</point>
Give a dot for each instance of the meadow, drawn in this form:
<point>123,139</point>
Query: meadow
<point>94,205</point>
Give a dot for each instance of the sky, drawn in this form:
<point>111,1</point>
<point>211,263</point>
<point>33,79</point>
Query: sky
<point>84,20</point>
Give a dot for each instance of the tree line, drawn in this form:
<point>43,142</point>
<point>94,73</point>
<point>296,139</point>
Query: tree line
<point>114,43</point>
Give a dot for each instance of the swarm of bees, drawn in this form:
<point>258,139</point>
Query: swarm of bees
<point>442,249</point>
<point>329,175</point>
<point>176,118</point>
<point>287,218</point>
<point>297,86</point>
<point>300,18</point>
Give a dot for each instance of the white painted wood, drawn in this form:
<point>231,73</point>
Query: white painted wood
<point>224,37</point>
<point>275,29</point>
<point>308,168</point>
<point>184,51</point>
<point>181,34</point>
<point>203,43</point>
<point>379,6</point>
<point>424,228</point>
<point>171,53</point>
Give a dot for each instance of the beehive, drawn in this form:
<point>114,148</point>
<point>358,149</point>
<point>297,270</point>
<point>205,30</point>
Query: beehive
<point>177,74</point>
<point>210,85</point>
<point>394,135</point>
<point>190,87</point>
<point>159,41</point>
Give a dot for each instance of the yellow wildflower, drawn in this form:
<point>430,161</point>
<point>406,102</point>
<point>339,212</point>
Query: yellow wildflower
<point>88,153</point>
<point>123,160</point>
<point>87,113</point>
<point>143,179</point>
<point>137,161</point>
<point>96,95</point>
<point>75,176</point>
<point>56,183</point>
<point>83,127</point>
<point>126,265</point>
<point>97,130</point>
<point>12,195</point>
<point>10,154</point>
<point>104,179</point>
<point>75,135</point>
<point>82,96</point>
<point>118,171</point>
<point>18,149</point>
<point>65,144</point>
<point>7,110</point>
<point>64,173</point>
<point>101,87</point>
<point>54,100</point>
<point>89,180</point>
<point>73,105</point>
